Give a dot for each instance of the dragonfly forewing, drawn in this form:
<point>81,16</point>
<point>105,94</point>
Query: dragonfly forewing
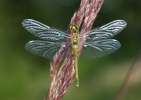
<point>43,31</point>
<point>106,31</point>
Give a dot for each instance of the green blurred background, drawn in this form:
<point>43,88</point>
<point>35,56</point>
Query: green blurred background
<point>24,76</point>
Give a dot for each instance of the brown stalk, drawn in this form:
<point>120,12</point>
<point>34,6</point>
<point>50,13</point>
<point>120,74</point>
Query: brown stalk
<point>127,77</point>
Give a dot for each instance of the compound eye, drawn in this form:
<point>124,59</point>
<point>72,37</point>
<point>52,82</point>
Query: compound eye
<point>74,27</point>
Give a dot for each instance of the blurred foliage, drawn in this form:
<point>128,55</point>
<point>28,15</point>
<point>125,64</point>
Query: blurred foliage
<point>24,76</point>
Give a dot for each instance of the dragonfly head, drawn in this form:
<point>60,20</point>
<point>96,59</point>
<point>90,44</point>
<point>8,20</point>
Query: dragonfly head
<point>74,28</point>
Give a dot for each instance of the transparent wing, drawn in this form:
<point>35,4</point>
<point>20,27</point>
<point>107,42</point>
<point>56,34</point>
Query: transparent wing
<point>106,31</point>
<point>43,48</point>
<point>43,31</point>
<point>97,49</point>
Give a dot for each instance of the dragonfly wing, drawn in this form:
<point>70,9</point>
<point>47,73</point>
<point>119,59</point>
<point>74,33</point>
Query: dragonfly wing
<point>97,49</point>
<point>43,31</point>
<point>43,48</point>
<point>106,31</point>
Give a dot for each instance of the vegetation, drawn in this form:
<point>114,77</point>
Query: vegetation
<point>24,76</point>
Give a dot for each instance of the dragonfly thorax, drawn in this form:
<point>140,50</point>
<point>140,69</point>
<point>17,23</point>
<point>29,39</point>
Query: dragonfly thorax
<point>74,28</point>
<point>74,40</point>
<point>74,35</point>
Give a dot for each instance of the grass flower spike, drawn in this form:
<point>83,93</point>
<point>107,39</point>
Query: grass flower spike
<point>67,47</point>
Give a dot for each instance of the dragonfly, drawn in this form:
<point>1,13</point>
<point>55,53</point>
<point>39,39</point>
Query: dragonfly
<point>97,44</point>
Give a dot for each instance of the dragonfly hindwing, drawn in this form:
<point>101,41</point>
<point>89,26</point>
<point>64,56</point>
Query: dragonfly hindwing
<point>100,48</point>
<point>43,48</point>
